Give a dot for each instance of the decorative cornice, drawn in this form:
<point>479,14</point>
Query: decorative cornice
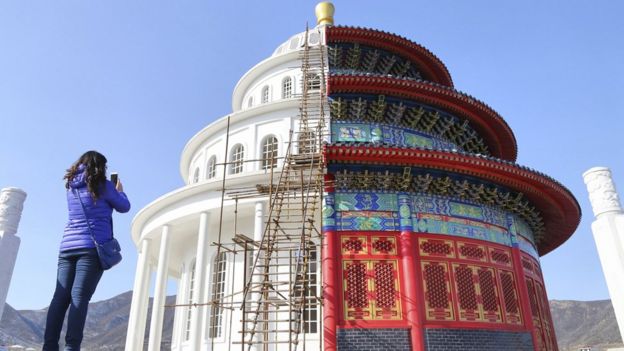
<point>415,116</point>
<point>432,67</point>
<point>487,122</point>
<point>560,210</point>
<point>413,180</point>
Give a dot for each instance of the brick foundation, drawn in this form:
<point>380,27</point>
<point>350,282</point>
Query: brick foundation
<point>476,340</point>
<point>373,339</point>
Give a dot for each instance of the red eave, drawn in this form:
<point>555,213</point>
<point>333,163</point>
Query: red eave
<point>487,122</point>
<point>559,208</point>
<point>428,63</point>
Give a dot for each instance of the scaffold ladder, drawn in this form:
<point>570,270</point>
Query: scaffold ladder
<point>281,291</point>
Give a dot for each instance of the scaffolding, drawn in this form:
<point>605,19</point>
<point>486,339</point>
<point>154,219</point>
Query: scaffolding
<point>279,303</point>
<point>280,292</point>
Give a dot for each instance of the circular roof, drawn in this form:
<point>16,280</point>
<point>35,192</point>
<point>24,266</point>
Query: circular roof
<point>487,122</point>
<point>430,65</point>
<point>560,210</point>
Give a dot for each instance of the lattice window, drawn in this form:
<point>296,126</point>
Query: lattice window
<point>510,298</point>
<point>371,286</point>
<point>509,292</point>
<point>547,325</point>
<point>384,285</point>
<point>430,247</point>
<point>466,291</point>
<point>353,245</point>
<point>236,159</point>
<point>218,290</point>
<point>269,152</point>
<point>533,299</point>
<point>287,88</point>
<point>385,289</point>
<point>437,291</point>
<point>488,290</point>
<point>384,246</point>
<point>537,269</point>
<point>472,252</point>
<point>527,265</point>
<point>356,294</point>
<point>211,168</point>
<point>500,257</point>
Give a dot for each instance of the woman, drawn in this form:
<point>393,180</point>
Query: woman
<point>79,269</point>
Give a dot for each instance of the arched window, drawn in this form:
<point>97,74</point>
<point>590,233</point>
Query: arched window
<point>287,88</point>
<point>218,290</point>
<point>211,168</point>
<point>196,175</point>
<point>191,296</point>
<point>250,101</point>
<point>313,81</point>
<point>265,95</point>
<point>269,152</point>
<point>307,142</point>
<point>236,159</point>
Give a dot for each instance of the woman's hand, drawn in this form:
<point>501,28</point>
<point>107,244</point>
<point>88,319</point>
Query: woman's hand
<point>119,186</point>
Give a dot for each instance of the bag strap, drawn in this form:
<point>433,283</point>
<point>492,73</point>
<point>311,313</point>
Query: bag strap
<point>84,211</point>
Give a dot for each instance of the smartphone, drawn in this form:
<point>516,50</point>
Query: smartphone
<point>114,178</point>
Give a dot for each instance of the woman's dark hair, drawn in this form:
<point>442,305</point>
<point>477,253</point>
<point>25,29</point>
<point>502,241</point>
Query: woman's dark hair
<point>95,168</point>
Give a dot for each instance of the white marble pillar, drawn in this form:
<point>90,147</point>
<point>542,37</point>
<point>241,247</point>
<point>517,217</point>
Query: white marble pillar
<point>140,299</point>
<point>258,232</point>
<point>201,259</point>
<point>608,229</point>
<point>259,221</point>
<point>11,206</point>
<point>177,336</point>
<point>160,291</point>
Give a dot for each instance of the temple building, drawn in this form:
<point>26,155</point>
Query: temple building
<point>352,200</point>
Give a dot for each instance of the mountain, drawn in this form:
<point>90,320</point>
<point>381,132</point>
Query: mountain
<point>585,323</point>
<point>105,328</point>
<point>577,323</point>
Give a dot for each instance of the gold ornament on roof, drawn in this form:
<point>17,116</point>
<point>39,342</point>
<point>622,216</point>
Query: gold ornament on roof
<point>324,13</point>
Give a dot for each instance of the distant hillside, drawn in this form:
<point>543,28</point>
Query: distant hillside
<point>105,329</point>
<point>585,323</point>
<point>577,323</point>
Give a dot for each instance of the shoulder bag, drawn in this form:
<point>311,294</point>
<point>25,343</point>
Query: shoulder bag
<point>108,252</point>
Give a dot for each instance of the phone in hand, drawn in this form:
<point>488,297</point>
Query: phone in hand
<point>114,178</point>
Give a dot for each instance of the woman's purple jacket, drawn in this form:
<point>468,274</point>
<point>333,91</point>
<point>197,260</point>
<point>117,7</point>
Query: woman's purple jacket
<point>77,234</point>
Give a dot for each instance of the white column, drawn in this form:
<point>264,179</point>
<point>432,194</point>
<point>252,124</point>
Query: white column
<point>608,229</point>
<point>179,322</point>
<point>259,221</point>
<point>158,307</point>
<point>201,260</point>
<point>140,299</point>
<point>11,206</point>
<point>258,232</point>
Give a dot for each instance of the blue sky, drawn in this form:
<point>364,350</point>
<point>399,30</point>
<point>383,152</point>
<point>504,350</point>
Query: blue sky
<point>136,79</point>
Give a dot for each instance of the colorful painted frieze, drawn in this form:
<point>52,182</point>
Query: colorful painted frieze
<point>439,224</point>
<point>386,134</point>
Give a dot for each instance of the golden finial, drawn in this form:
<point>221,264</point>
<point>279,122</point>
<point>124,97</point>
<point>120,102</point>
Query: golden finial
<point>324,13</point>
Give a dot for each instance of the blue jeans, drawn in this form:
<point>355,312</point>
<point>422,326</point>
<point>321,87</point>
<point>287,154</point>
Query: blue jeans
<point>79,272</point>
